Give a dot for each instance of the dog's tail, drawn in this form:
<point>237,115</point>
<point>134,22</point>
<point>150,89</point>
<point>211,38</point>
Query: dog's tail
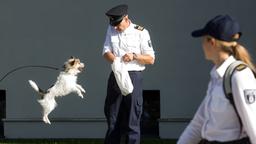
<point>36,88</point>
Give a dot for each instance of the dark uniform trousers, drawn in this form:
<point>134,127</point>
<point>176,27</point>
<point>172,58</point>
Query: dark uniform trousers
<point>241,141</point>
<point>123,113</point>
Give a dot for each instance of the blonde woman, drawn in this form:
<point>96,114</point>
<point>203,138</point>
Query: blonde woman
<point>216,120</point>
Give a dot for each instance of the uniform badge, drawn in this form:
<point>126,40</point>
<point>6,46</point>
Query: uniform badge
<point>250,95</point>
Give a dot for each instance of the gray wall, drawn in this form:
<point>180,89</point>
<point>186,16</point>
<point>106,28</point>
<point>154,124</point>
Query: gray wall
<point>47,32</point>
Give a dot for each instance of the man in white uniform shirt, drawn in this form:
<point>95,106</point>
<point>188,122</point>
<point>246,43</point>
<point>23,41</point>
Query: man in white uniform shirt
<point>132,44</point>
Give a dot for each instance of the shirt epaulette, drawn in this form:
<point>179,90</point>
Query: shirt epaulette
<point>240,67</point>
<point>139,27</point>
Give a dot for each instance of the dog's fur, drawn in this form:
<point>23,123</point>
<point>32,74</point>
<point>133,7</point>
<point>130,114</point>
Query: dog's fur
<point>65,84</point>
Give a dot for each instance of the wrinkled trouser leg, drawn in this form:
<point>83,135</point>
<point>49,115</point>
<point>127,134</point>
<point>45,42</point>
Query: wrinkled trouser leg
<point>123,113</point>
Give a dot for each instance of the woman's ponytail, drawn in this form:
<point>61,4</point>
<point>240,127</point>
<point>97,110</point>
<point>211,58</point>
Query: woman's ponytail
<point>240,53</point>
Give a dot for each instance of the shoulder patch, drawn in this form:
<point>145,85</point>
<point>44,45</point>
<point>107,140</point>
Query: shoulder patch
<point>139,27</point>
<point>250,95</point>
<point>241,67</point>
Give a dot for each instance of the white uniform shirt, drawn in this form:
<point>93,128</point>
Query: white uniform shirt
<point>216,119</point>
<point>131,40</point>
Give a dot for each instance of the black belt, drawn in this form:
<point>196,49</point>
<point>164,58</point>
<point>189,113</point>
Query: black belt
<point>241,141</point>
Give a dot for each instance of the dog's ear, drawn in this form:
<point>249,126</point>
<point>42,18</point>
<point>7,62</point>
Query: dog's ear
<point>72,62</point>
<point>72,57</point>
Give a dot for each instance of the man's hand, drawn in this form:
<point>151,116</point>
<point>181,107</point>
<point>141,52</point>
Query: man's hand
<point>128,57</point>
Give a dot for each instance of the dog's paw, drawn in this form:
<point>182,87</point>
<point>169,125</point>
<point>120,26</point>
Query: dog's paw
<point>82,90</point>
<point>80,93</point>
<point>81,96</point>
<point>46,120</point>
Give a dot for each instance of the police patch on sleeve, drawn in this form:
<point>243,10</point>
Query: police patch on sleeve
<point>250,95</point>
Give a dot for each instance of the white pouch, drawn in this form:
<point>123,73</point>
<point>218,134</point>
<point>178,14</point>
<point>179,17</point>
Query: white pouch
<point>122,76</point>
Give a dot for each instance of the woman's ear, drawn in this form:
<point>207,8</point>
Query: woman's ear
<point>212,41</point>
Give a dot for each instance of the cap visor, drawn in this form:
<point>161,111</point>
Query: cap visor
<point>115,23</point>
<point>199,33</point>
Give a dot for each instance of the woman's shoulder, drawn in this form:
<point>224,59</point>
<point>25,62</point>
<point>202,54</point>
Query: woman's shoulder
<point>244,75</point>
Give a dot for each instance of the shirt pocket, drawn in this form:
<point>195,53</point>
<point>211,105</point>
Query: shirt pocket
<point>133,43</point>
<point>220,105</point>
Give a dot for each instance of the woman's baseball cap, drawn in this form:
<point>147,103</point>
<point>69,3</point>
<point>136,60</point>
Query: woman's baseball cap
<point>221,27</point>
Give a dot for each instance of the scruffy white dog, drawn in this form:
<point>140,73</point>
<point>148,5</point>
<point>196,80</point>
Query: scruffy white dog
<point>65,84</point>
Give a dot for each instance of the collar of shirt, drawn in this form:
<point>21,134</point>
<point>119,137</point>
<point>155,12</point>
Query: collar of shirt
<point>220,71</point>
<point>129,29</point>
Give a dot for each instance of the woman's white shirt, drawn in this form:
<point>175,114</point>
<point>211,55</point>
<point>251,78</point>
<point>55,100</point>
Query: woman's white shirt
<point>216,119</point>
